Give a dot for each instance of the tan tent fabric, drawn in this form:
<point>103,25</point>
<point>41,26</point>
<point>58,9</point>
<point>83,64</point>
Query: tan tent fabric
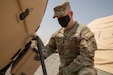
<point>104,60</point>
<point>103,30</point>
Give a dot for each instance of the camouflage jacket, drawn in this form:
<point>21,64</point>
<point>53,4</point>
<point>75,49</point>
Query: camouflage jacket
<point>76,47</point>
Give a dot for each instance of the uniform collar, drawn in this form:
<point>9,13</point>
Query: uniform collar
<point>71,30</point>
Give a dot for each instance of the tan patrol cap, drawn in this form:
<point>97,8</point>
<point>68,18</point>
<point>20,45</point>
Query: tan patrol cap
<point>60,9</point>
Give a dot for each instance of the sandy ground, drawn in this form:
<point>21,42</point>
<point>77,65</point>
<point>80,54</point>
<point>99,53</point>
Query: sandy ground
<point>52,65</point>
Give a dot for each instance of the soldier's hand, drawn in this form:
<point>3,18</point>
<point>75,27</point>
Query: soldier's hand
<point>44,53</point>
<point>70,69</point>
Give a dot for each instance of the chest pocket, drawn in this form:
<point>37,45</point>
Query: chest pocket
<point>71,46</point>
<point>72,42</point>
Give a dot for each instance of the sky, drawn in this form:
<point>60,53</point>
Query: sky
<point>85,11</point>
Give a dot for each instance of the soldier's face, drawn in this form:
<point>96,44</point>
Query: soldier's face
<point>65,18</point>
<point>63,21</point>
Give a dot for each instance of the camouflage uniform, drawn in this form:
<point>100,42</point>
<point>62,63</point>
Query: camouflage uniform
<point>76,49</point>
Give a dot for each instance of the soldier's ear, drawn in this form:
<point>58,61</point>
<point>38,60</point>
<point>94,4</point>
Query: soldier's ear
<point>71,13</point>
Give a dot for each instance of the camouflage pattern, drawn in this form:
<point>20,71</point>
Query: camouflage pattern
<point>60,9</point>
<point>76,50</point>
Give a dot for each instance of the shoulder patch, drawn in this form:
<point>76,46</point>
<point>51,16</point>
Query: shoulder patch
<point>89,35</point>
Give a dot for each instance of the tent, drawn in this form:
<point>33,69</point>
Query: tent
<point>103,31</point>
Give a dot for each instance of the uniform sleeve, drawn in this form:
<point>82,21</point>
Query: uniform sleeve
<point>87,48</point>
<point>87,52</point>
<point>50,47</point>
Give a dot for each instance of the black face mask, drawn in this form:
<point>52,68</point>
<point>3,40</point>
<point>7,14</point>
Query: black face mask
<point>63,21</point>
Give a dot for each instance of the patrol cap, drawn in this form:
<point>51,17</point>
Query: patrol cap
<point>60,9</point>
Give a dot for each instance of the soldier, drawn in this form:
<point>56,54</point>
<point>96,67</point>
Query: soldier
<point>75,43</point>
